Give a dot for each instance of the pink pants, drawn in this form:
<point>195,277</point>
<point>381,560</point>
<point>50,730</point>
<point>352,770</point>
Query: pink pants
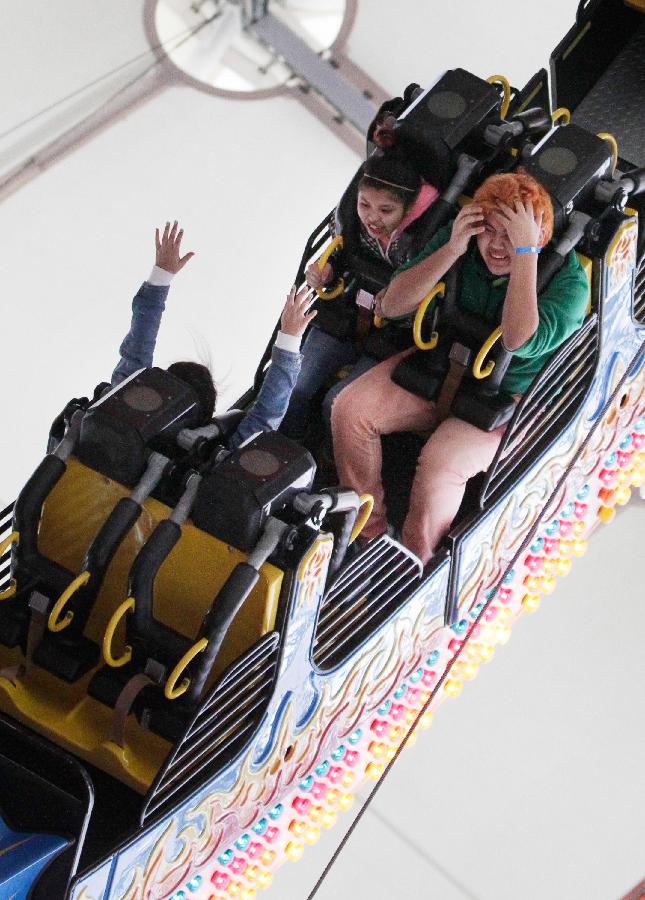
<point>373,405</point>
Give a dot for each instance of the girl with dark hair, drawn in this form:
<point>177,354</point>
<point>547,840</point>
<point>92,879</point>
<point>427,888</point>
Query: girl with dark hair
<point>391,198</point>
<point>137,348</point>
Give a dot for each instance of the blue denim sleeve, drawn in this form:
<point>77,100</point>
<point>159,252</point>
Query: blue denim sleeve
<point>138,346</point>
<point>272,400</point>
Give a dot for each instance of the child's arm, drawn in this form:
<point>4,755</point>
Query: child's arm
<point>411,285</point>
<point>138,346</point>
<point>272,400</point>
<point>520,317</point>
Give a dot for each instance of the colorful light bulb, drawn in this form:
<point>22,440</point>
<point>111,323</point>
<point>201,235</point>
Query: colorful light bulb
<point>294,850</point>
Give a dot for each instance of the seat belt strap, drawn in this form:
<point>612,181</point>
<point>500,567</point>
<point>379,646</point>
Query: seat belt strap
<point>459,362</point>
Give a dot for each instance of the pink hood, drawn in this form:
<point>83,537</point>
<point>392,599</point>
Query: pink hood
<point>427,195</point>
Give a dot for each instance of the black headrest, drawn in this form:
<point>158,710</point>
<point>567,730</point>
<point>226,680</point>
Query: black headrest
<point>253,482</point>
<point>569,163</point>
<point>143,413</point>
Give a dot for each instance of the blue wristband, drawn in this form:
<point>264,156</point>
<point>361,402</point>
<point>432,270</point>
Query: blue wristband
<point>527,249</point>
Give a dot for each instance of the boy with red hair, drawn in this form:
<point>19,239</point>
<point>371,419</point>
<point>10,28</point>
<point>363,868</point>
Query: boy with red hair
<point>511,219</point>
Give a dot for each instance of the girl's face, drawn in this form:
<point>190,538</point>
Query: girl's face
<point>379,211</point>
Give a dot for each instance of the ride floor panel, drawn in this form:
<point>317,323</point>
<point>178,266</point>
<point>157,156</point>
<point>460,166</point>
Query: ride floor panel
<point>616,103</point>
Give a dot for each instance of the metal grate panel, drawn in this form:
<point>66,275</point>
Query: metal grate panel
<point>545,409</point>
<point>224,723</point>
<point>361,598</point>
<point>6,521</point>
<point>638,307</point>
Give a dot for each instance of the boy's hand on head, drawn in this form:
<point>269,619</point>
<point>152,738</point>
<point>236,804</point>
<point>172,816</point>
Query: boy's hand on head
<point>523,227</point>
<point>296,314</point>
<point>469,223</point>
<point>168,248</point>
<point>317,278</point>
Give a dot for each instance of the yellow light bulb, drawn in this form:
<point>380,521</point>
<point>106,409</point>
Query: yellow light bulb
<point>411,741</point>
<point>548,584</point>
<point>621,477</point>
<point>623,495</point>
<point>248,893</point>
<point>251,873</point>
<point>348,779</point>
<point>504,634</point>
<point>578,528</point>
<point>410,716</point>
<point>548,566</point>
<point>486,652</point>
<point>294,850</point>
<point>579,548</point>
<point>504,616</point>
<point>297,827</point>
<point>331,797</point>
<point>530,602</point>
<point>315,813</point>
<point>637,477</point>
<point>376,749</point>
<point>395,733</point>
<point>267,857</point>
<point>234,888</point>
<point>532,582</point>
<point>345,801</point>
<point>452,687</point>
<point>426,720</point>
<point>472,651</point>
<point>469,671</point>
<point>312,834</point>
<point>606,514</point>
<point>487,634</point>
<point>373,770</point>
<point>564,567</point>
<point>329,819</point>
<point>265,879</point>
<point>565,548</point>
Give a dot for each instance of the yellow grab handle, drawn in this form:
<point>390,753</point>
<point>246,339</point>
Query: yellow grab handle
<point>13,538</point>
<point>613,143</point>
<point>561,113</point>
<point>55,622</point>
<point>108,637</point>
<point>330,293</point>
<point>506,102</point>
<point>437,290</point>
<point>366,502</point>
<point>478,372</point>
<point>171,691</point>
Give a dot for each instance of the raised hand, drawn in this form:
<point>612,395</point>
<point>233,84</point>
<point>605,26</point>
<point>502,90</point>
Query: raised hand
<point>168,248</point>
<point>469,223</point>
<point>317,278</point>
<point>296,314</point>
<point>523,227</point>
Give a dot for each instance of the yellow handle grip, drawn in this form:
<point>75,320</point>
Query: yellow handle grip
<point>55,622</point>
<point>171,690</point>
<point>330,293</point>
<point>13,538</point>
<point>437,290</point>
<point>561,113</point>
<point>478,372</point>
<point>108,637</point>
<point>506,102</point>
<point>366,502</point>
<point>613,143</point>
